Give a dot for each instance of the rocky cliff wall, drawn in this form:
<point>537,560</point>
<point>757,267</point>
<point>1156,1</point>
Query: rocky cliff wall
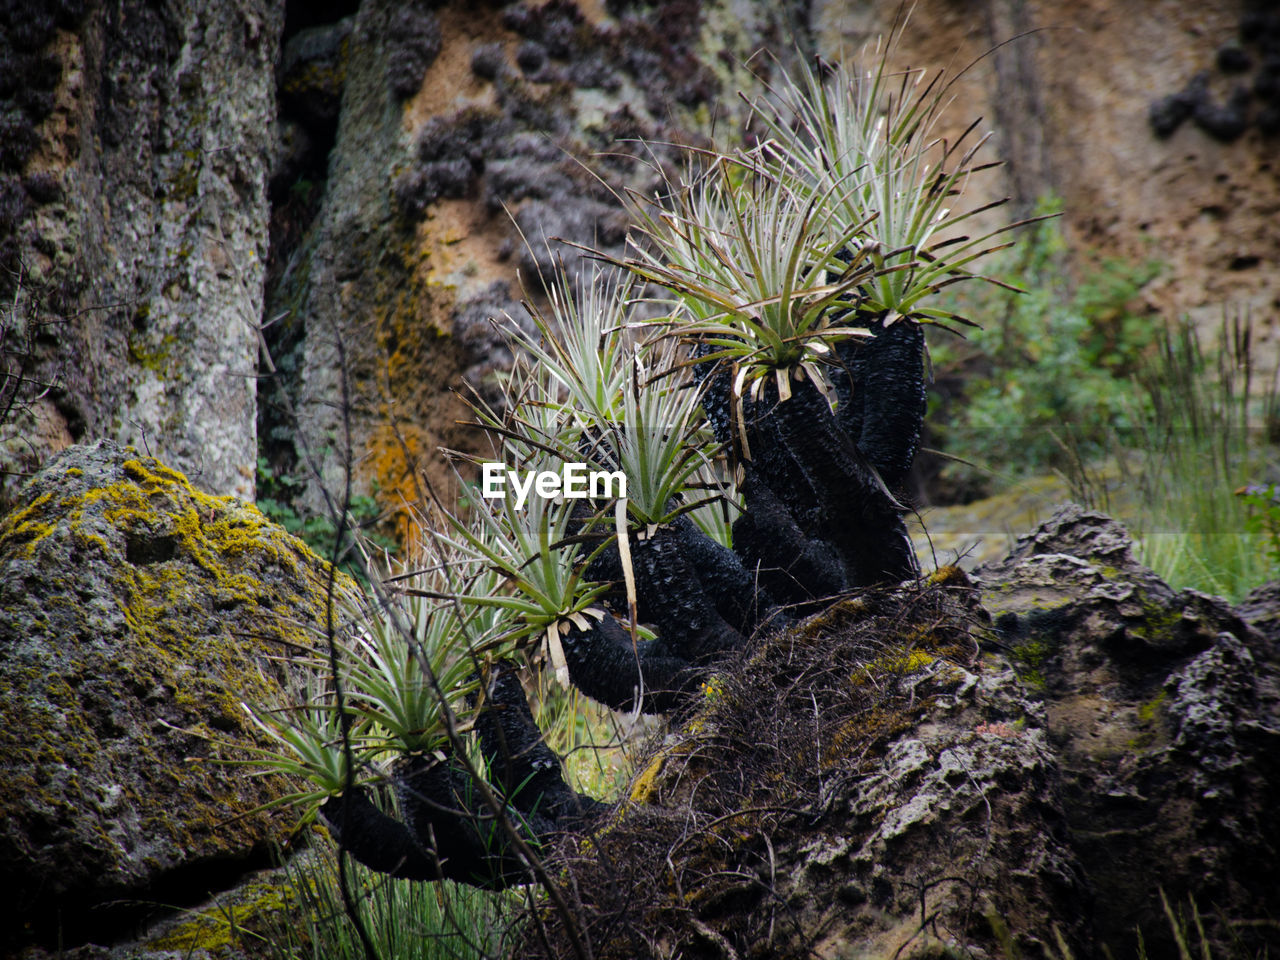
<point>141,240</point>
<point>357,178</point>
<point>1078,99</point>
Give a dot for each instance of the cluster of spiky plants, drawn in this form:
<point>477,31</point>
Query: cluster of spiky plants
<point>395,676</point>
<point>846,216</point>
<point>764,263</point>
<point>865,142</point>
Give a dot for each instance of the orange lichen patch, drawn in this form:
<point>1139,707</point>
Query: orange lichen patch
<point>406,465</point>
<point>420,365</point>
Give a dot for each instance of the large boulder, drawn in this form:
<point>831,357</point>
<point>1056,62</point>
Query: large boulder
<point>1163,712</point>
<point>871,783</point>
<point>136,613</point>
<point>1031,766</point>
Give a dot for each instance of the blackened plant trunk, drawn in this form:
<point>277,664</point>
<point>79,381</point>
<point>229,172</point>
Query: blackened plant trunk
<point>739,597</point>
<point>608,668</point>
<point>529,773</point>
<point>674,599</point>
<point>448,831</point>
<point>881,385</point>
<point>446,834</point>
<point>860,516</point>
<point>795,567</point>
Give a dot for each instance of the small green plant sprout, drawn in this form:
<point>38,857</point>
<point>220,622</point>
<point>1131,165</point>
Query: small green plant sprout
<point>714,515</point>
<point>862,142</point>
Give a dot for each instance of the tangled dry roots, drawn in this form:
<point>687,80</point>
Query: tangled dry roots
<point>697,863</point>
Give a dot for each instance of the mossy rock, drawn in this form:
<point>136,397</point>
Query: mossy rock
<point>829,785</point>
<point>1163,709</point>
<point>136,613</point>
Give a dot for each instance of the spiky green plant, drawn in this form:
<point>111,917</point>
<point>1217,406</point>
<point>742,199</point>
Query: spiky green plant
<point>584,354</point>
<point>406,659</point>
<point>659,441</point>
<point>408,662</point>
<point>305,742</point>
<point>863,142</point>
<point>757,269</point>
<point>589,390</point>
<point>531,551</point>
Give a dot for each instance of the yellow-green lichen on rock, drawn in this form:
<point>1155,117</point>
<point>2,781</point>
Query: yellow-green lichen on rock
<point>136,613</point>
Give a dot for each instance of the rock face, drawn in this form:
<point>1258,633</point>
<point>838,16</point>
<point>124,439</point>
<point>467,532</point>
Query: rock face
<point>468,136</point>
<point>1261,608</point>
<point>869,784</point>
<point>171,175</point>
<point>135,615</point>
<point>904,776</point>
<point>1069,103</point>
<point>141,240</point>
<point>1164,714</point>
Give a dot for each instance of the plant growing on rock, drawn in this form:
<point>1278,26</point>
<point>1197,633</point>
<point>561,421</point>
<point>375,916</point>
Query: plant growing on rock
<point>792,281</point>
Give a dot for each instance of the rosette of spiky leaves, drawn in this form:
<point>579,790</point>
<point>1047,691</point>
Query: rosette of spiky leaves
<point>588,390</point>
<point>406,660</point>
<point>305,741</point>
<point>660,441</point>
<point>409,666</point>
<point>584,348</point>
<point>577,358</point>
<point>756,266</point>
<point>863,143</point>
<point>532,551</point>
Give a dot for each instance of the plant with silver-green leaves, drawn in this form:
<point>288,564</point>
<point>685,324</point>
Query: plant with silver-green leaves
<point>756,267</point>
<point>407,660</point>
<point>864,142</point>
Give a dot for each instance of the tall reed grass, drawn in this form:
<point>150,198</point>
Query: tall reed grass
<point>405,920</point>
<point>1200,426</point>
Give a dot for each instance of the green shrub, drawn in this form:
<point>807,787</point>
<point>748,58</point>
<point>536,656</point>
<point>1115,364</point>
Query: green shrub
<point>1262,503</point>
<point>277,495</point>
<point>1054,356</point>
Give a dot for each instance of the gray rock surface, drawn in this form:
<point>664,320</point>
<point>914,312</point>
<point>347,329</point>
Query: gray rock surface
<point>150,248</point>
<point>1261,610</point>
<point>136,613</point>
<point>869,784</point>
<point>1164,713</point>
<point>911,774</point>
